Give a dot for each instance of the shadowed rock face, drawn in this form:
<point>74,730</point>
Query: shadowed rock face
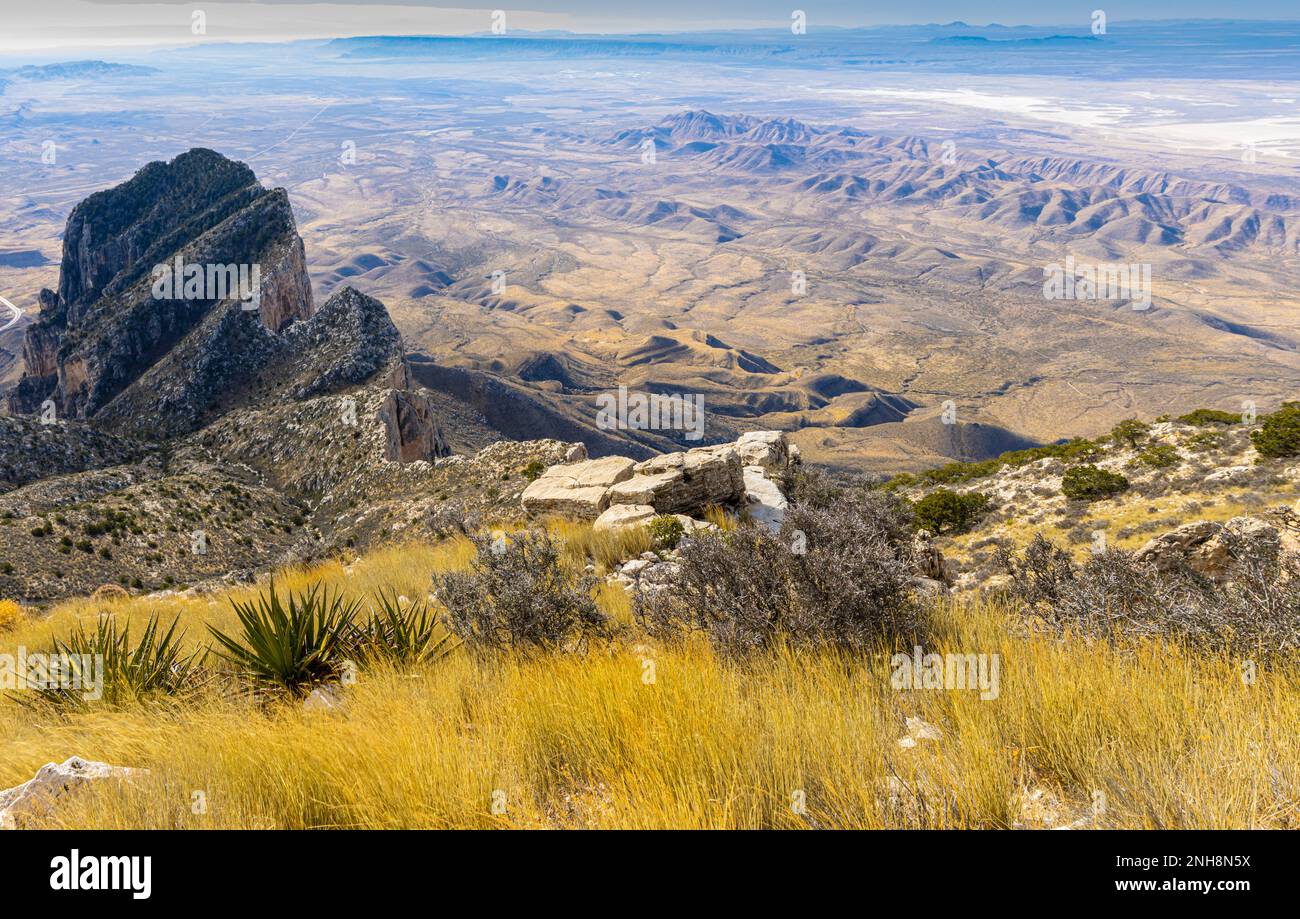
<point>105,329</point>
<point>155,362</point>
<point>413,432</point>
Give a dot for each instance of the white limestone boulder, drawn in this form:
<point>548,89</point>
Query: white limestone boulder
<point>766,504</point>
<point>36,797</point>
<point>618,516</point>
<point>576,489</point>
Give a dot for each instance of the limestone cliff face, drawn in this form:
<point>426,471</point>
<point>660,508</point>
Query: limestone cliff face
<point>105,328</point>
<point>413,432</point>
<point>159,361</point>
<point>352,342</point>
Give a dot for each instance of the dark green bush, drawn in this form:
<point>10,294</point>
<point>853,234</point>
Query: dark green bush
<point>1159,456</point>
<point>1072,451</point>
<point>1279,432</point>
<point>1130,432</point>
<point>1088,483</point>
<point>944,511</point>
<point>1202,417</point>
<point>665,531</point>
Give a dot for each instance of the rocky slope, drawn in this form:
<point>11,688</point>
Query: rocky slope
<point>1185,482</point>
<point>154,441</point>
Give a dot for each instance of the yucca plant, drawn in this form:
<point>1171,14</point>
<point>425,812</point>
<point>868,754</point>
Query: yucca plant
<point>104,667</point>
<point>290,647</point>
<point>404,634</point>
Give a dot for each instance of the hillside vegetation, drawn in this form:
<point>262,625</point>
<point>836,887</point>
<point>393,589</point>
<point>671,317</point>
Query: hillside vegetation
<point>631,731</point>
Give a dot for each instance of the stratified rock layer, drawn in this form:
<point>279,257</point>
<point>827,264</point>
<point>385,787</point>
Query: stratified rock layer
<point>743,475</point>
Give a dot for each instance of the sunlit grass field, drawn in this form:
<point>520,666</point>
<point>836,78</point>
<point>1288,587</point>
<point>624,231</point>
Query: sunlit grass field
<point>639,735</point>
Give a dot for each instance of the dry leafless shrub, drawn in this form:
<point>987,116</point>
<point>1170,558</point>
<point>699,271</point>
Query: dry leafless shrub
<point>1039,574</point>
<point>811,487</point>
<point>837,574</point>
<point>448,520</point>
<point>518,594</point>
<point>1255,611</point>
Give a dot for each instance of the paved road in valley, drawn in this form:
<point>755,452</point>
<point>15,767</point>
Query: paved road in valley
<point>13,320</point>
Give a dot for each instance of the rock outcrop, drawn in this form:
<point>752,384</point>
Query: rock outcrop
<point>37,797</point>
<point>234,389</point>
<point>96,339</point>
<point>684,482</point>
<point>155,360</point>
<point>616,491</point>
<point>763,497</point>
<point>577,489</point>
<point>1214,549</point>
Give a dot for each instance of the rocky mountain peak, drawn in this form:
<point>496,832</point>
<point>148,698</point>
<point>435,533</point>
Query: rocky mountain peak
<point>184,297</point>
<point>148,267</point>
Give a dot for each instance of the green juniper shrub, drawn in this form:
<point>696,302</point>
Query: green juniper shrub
<point>945,511</point>
<point>1279,432</point>
<point>665,532</point>
<point>1158,456</point>
<point>1088,483</point>
<point>1076,450</point>
<point>1203,417</point>
<point>1130,432</point>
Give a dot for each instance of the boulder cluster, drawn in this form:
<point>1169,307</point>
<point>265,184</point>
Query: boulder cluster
<point>1215,550</point>
<point>615,491</point>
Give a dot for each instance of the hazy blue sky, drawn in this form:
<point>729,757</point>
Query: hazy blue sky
<point>38,24</point>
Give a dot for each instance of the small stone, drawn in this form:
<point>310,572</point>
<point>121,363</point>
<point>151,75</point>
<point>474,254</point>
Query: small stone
<point>328,697</point>
<point>923,730</point>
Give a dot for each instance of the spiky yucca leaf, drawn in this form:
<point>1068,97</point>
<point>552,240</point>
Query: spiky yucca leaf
<point>409,634</point>
<point>103,666</point>
<point>290,647</point>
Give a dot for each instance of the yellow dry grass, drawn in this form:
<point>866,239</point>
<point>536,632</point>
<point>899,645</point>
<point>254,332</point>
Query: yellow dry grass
<point>642,735</point>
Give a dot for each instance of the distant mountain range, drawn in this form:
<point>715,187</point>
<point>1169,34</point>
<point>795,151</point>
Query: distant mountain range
<point>1154,48</point>
<point>76,70</point>
<point>1061,197</point>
